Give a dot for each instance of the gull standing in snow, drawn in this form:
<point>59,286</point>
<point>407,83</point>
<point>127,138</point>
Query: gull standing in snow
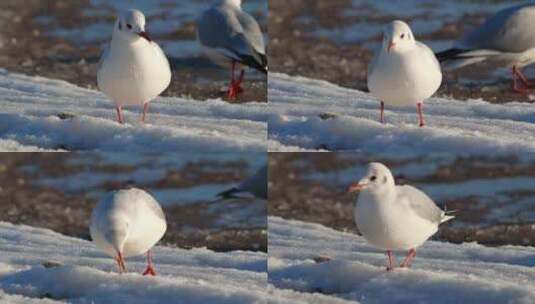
<point>128,223</point>
<point>505,39</point>
<point>231,37</point>
<point>404,71</point>
<point>255,185</point>
<point>133,69</point>
<point>392,217</point>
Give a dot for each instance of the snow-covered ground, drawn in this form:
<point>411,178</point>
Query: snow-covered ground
<point>29,109</point>
<point>307,115</point>
<point>441,272</point>
<point>88,276</point>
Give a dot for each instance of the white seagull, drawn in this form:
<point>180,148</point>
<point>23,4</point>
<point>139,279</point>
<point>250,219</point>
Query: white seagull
<point>404,72</point>
<point>255,185</point>
<point>392,217</point>
<point>133,69</point>
<point>128,223</point>
<point>231,37</point>
<point>505,39</point>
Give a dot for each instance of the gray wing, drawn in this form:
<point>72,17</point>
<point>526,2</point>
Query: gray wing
<point>420,203</point>
<point>221,28</point>
<point>509,30</point>
<point>257,184</point>
<point>103,56</point>
<point>252,31</point>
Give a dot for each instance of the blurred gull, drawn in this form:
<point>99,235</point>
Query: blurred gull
<point>505,39</point>
<point>404,71</point>
<point>133,69</point>
<point>128,223</point>
<point>231,37</point>
<point>255,185</point>
<point>394,217</point>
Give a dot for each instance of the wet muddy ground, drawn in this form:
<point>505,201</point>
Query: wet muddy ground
<point>62,39</point>
<point>334,40</point>
<point>313,187</point>
<point>58,191</point>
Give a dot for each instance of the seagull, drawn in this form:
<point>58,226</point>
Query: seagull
<point>133,69</point>
<point>392,217</point>
<point>128,223</point>
<point>255,185</point>
<point>505,39</point>
<point>232,38</point>
<point>404,71</point>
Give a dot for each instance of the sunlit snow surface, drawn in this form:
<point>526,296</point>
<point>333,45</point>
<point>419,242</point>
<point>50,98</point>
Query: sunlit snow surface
<point>310,115</point>
<point>29,109</point>
<point>88,276</point>
<point>441,272</point>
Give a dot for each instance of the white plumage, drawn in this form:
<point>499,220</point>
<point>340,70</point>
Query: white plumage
<point>394,217</point>
<point>133,69</point>
<point>404,72</point>
<point>128,223</point>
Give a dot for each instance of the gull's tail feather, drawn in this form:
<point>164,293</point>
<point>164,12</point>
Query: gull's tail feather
<point>456,58</point>
<point>259,63</point>
<point>447,215</point>
<point>230,193</point>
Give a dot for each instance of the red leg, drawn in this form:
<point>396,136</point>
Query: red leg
<point>420,114</point>
<point>145,111</point>
<point>382,112</point>
<point>232,93</point>
<point>408,260</point>
<point>150,267</point>
<point>120,262</point>
<point>120,115</point>
<point>517,75</point>
<point>391,261</point>
<point>239,88</point>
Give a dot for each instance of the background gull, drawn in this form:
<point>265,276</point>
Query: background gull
<point>506,39</point>
<point>230,37</point>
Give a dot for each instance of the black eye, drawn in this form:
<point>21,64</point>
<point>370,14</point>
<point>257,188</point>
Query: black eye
<point>129,26</point>
<point>402,36</point>
<point>373,178</point>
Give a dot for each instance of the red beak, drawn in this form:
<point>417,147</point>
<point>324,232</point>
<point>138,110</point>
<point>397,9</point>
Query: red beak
<point>355,187</point>
<point>145,35</point>
<point>391,45</point>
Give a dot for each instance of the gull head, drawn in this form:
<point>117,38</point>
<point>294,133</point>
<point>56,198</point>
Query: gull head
<point>378,178</point>
<point>130,26</point>
<point>397,36</point>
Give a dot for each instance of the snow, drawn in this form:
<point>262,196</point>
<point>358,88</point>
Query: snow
<point>88,276</point>
<point>441,272</point>
<point>29,109</point>
<point>473,127</point>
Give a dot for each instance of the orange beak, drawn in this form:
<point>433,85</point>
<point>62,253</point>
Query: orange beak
<point>355,187</point>
<point>391,45</point>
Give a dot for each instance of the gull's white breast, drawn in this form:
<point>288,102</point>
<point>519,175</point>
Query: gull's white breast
<point>134,73</point>
<point>404,79</point>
